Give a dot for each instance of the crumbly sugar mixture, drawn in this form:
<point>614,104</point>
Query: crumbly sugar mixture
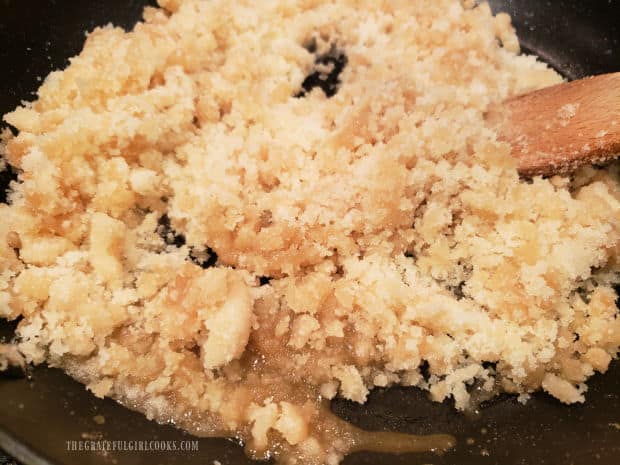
<point>197,235</point>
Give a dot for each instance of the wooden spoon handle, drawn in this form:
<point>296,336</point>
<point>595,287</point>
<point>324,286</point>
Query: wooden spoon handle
<point>558,129</point>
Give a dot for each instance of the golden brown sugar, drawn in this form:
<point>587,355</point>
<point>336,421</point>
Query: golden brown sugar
<point>357,237</point>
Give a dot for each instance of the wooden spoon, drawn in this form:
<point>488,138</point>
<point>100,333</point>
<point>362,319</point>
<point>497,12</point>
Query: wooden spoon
<point>558,129</point>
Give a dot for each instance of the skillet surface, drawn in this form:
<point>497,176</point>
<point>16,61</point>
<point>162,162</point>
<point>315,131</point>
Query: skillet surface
<point>40,413</point>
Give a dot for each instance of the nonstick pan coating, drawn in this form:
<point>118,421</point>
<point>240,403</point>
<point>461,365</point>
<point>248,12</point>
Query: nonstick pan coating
<point>40,413</point>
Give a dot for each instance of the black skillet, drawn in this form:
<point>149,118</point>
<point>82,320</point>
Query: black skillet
<point>39,414</point>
